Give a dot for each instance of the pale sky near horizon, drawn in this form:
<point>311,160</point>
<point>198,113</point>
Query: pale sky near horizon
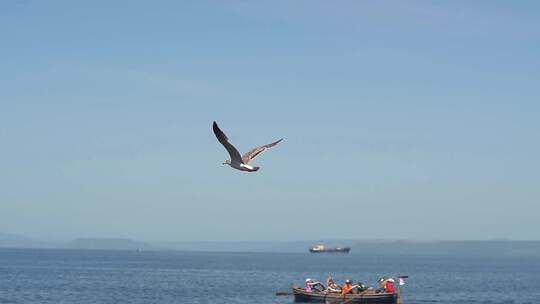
<point>400,119</point>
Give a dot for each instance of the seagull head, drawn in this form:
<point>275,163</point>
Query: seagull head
<point>226,162</point>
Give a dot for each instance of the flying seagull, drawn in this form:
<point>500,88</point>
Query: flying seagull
<point>240,162</point>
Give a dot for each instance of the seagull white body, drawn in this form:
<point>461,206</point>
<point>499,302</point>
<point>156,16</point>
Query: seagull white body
<point>236,161</point>
<point>243,167</point>
<point>240,166</point>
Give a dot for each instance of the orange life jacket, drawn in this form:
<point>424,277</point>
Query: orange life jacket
<point>346,288</point>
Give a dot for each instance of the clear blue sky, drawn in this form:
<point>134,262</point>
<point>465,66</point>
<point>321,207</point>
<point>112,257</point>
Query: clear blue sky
<point>400,119</point>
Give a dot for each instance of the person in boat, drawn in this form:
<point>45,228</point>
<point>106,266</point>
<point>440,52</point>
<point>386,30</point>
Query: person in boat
<point>347,287</point>
<point>360,287</point>
<point>313,285</point>
<point>389,286</point>
<point>386,285</point>
<point>380,284</point>
<point>332,286</point>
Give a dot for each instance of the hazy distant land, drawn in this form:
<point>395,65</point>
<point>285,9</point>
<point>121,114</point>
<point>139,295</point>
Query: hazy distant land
<point>490,247</point>
<point>107,244</point>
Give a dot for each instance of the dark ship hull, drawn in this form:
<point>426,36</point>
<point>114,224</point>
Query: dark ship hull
<point>331,250</point>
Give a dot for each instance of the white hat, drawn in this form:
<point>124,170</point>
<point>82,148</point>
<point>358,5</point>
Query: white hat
<point>308,280</point>
<point>391,280</point>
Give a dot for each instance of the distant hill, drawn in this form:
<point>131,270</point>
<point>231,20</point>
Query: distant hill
<point>467,248</point>
<point>479,248</point>
<point>8,240</point>
<point>237,246</point>
<point>107,244</point>
<point>370,247</point>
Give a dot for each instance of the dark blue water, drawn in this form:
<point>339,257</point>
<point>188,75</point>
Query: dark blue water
<point>74,276</point>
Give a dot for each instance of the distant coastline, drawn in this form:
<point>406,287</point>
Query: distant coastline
<point>405,247</point>
<point>107,244</point>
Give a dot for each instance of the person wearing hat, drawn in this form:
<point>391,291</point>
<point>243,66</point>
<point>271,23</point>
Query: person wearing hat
<point>332,286</point>
<point>389,286</point>
<point>310,285</point>
<point>347,287</point>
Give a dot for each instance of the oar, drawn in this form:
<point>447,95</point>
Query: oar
<point>345,301</point>
<point>284,293</point>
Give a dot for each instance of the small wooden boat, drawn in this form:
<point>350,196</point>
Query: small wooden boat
<point>366,297</point>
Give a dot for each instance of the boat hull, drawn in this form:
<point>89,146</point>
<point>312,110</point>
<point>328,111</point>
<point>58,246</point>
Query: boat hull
<point>302,296</point>
<point>331,250</point>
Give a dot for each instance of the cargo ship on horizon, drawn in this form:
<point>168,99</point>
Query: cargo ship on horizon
<point>322,249</point>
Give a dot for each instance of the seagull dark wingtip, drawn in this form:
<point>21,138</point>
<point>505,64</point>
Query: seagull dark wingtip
<point>216,128</point>
<point>219,134</point>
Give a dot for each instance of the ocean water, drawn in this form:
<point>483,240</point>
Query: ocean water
<point>93,276</point>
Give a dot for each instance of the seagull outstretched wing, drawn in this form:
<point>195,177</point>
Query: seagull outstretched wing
<point>246,158</point>
<point>222,138</point>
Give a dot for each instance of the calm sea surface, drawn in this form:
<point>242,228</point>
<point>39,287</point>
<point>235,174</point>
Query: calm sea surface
<point>89,276</point>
